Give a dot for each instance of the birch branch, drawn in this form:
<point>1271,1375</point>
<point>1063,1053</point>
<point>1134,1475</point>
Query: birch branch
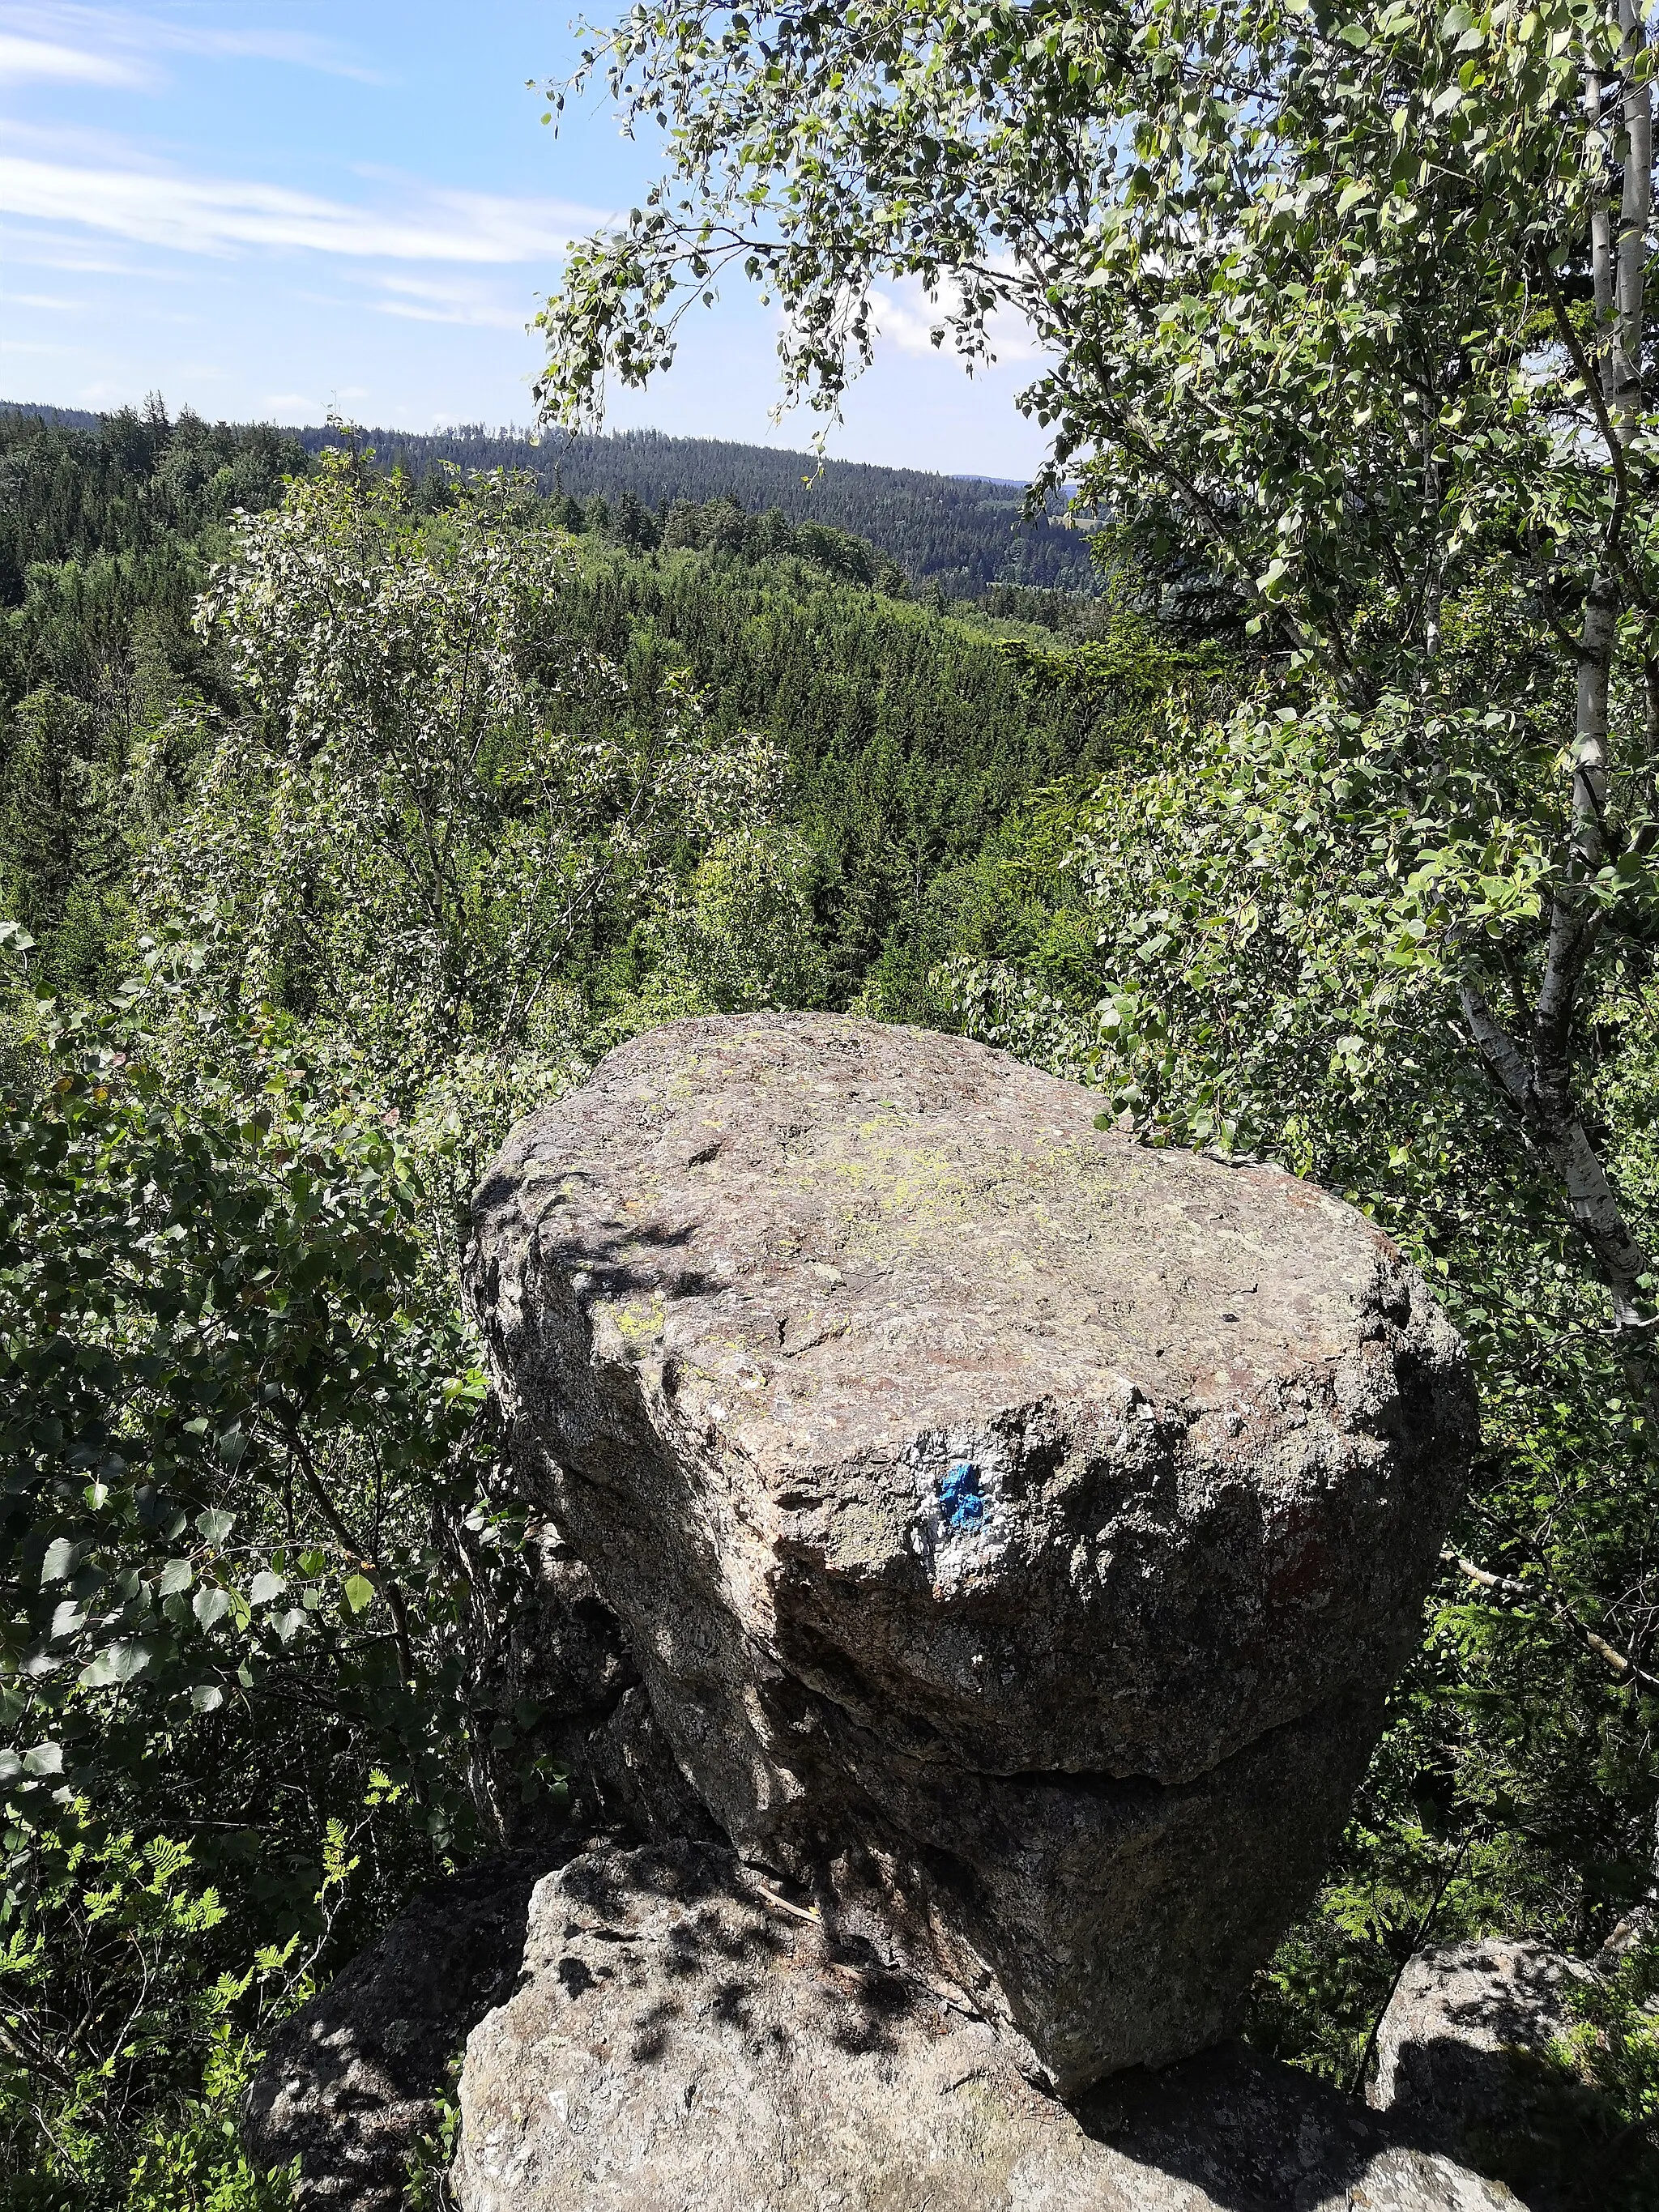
<point>1508,1586</point>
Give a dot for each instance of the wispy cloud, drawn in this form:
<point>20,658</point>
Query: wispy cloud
<point>44,61</point>
<point>420,301</point>
<point>26,246</point>
<point>120,39</point>
<point>224,215</point>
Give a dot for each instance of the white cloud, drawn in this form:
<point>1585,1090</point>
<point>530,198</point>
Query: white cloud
<point>909,330</point>
<point>43,61</point>
<point>220,214</point>
<point>97,36</point>
<point>420,301</point>
<point>908,316</point>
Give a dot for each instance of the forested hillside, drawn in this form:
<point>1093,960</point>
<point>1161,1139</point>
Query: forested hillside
<point>904,742</point>
<point>345,816</point>
<point>964,533</point>
<point>340,819</point>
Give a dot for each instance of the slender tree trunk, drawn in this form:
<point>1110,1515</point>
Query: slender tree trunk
<point>1601,214</point>
<point>1542,1095</point>
<point>1635,215</point>
<point>1538,1079</point>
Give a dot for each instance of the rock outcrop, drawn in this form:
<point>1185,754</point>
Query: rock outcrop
<point>348,2086</point>
<point>1464,2061</point>
<point>1015,1530</point>
<point>685,2035</point>
<point>1459,2017</point>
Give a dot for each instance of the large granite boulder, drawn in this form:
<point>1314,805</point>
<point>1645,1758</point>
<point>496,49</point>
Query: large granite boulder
<point>1016,1530</point>
<point>685,2035</point>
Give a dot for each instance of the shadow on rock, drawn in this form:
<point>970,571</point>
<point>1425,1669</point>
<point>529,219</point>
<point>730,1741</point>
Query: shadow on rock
<point>1470,2061</point>
<point>1254,2135</point>
<point>715,2049</point>
<point>349,2083</point>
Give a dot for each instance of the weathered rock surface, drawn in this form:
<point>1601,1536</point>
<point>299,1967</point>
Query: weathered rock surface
<point>685,2037</point>
<point>1459,2014</point>
<point>1463,2060</point>
<point>348,2085</point>
<point>1046,1514</point>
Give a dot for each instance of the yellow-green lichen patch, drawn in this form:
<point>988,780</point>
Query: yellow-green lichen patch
<point>638,1321</point>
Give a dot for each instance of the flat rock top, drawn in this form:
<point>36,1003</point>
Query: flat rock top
<point>834,1233</point>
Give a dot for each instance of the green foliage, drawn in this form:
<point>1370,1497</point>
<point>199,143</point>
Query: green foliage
<point>134,483</point>
<point>427,2188</point>
<point>213,1335</point>
<point>105,543</point>
<point>436,805</point>
<point>65,866</point>
<point>909,744</point>
<point>122,2063</point>
<point>1258,988</point>
<point>246,1524</point>
<point>1289,260</point>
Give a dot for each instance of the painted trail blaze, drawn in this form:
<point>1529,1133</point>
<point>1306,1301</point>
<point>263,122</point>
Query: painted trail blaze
<point>959,1495</point>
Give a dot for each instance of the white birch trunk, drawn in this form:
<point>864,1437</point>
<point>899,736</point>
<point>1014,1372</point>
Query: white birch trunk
<point>1538,1078</point>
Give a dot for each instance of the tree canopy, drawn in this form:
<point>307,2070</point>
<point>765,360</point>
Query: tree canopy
<point>1347,315</point>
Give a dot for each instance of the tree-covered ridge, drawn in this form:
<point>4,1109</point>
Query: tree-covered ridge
<point>966,532</point>
<point>912,745</point>
<point>907,741</point>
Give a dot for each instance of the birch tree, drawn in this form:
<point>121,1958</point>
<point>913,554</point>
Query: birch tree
<point>434,798</point>
<point>1347,302</point>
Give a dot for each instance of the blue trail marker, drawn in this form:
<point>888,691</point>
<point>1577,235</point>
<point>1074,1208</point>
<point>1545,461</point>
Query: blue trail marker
<point>959,1495</point>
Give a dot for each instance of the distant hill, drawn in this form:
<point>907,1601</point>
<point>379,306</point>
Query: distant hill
<point>966,534</point>
<point>66,418</point>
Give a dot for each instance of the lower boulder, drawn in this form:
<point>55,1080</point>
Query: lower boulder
<point>687,2034</point>
<point>348,2085</point>
<point>1469,2060</point>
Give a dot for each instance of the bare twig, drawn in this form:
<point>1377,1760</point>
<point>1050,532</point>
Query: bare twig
<point>1510,1586</point>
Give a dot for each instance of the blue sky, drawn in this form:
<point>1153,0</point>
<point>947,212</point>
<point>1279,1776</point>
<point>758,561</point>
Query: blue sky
<point>267,208</point>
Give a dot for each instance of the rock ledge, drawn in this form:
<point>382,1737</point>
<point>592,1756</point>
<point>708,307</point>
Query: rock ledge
<point>685,2035</point>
